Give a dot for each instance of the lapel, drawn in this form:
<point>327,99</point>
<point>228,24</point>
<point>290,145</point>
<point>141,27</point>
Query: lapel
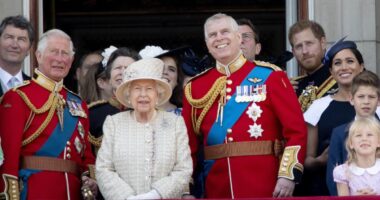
<point>25,77</point>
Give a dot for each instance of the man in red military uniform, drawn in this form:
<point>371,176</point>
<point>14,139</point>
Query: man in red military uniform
<point>247,115</point>
<point>44,130</point>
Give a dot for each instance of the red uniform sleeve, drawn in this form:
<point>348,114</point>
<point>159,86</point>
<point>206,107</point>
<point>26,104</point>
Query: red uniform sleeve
<point>285,104</point>
<point>89,158</point>
<point>13,115</point>
<point>193,138</point>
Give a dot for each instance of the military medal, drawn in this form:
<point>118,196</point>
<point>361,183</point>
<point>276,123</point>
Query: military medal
<point>245,93</point>
<point>238,98</point>
<point>254,112</point>
<point>81,130</point>
<point>255,80</point>
<point>78,145</point>
<point>255,130</point>
<point>76,109</point>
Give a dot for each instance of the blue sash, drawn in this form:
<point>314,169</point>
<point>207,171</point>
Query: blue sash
<point>217,132</point>
<point>55,144</point>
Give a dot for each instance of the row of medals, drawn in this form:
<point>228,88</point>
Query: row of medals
<point>250,93</point>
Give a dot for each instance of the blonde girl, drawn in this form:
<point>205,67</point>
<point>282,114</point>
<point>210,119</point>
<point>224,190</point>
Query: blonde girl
<point>360,175</point>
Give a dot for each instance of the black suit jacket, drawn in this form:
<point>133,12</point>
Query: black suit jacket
<point>24,76</point>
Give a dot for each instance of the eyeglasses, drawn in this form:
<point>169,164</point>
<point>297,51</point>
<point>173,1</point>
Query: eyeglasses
<point>57,52</point>
<point>248,36</point>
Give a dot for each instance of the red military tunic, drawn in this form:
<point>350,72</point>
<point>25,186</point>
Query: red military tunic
<point>18,123</point>
<point>281,119</point>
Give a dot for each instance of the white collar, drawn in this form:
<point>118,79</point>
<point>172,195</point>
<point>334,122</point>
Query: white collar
<point>5,77</point>
<point>360,171</point>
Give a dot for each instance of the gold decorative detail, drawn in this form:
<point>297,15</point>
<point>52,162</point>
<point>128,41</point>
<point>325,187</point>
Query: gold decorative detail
<point>326,86</point>
<point>43,108</point>
<point>95,141</point>
<point>232,67</point>
<point>205,102</point>
<point>95,103</point>
<point>268,65</point>
<point>298,78</point>
<point>55,102</point>
<point>255,80</point>
<point>12,189</point>
<point>46,82</point>
<point>43,125</point>
<point>289,162</point>
<point>309,94</point>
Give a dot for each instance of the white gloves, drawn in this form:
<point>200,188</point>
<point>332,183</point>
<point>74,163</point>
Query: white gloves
<point>153,194</point>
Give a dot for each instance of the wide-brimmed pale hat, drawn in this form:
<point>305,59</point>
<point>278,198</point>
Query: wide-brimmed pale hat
<point>144,69</point>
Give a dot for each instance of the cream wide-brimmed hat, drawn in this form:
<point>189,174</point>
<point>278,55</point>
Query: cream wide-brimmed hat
<point>144,69</point>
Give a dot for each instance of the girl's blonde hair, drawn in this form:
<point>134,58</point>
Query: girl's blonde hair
<point>359,124</point>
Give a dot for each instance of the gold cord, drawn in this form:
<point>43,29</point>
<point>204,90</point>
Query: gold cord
<point>51,105</point>
<point>95,141</point>
<point>205,102</point>
<point>43,109</point>
<point>43,125</point>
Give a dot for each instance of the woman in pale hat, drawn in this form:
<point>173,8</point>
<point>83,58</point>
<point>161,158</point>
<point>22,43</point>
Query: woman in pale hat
<point>144,152</point>
<point>172,72</point>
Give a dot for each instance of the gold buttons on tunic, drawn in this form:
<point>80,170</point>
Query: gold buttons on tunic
<point>230,139</point>
<point>228,97</point>
<point>228,90</point>
<point>229,131</point>
<point>229,82</point>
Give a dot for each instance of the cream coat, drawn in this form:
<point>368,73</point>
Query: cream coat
<point>135,158</point>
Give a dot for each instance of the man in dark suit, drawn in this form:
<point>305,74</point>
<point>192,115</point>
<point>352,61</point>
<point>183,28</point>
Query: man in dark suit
<point>16,39</point>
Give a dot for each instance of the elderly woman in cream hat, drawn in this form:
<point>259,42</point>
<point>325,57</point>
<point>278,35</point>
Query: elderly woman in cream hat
<point>145,152</point>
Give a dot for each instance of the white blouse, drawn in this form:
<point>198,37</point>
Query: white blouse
<point>135,158</point>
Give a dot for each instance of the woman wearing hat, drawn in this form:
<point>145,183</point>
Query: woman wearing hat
<point>172,73</point>
<point>108,76</point>
<point>345,62</point>
<point>144,152</point>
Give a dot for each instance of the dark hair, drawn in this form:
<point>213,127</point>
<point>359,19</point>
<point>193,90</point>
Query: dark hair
<point>356,53</point>
<point>18,22</point>
<point>177,94</point>
<point>248,22</point>
<point>122,51</point>
<point>366,78</point>
<point>299,26</point>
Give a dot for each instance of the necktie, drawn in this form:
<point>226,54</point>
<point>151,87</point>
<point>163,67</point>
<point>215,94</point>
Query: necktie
<point>12,82</point>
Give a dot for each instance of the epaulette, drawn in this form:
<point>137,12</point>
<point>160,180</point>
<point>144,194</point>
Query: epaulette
<point>200,74</point>
<point>297,78</point>
<point>95,103</point>
<point>96,141</point>
<point>268,65</point>
<point>24,83</point>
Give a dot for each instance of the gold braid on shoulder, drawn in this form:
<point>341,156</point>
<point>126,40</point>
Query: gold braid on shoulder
<point>205,102</point>
<point>96,141</point>
<point>50,105</point>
